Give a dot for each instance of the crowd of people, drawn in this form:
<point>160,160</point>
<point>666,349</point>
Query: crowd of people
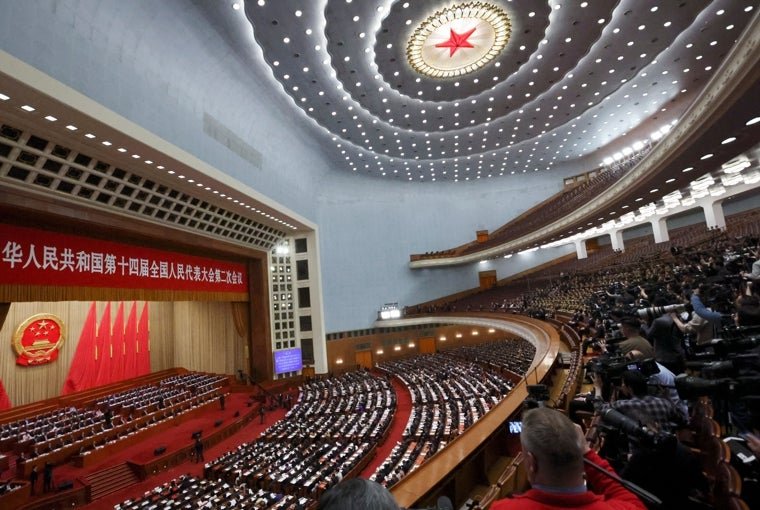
<point>52,438</point>
<point>331,429</point>
<point>449,391</point>
<point>188,492</point>
<point>645,323</point>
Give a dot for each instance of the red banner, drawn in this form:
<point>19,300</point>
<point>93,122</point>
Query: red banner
<point>39,257</point>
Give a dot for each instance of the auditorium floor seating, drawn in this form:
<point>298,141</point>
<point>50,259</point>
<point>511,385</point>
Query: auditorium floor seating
<point>153,457</point>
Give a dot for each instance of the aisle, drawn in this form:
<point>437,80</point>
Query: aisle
<point>235,402</point>
<point>403,410</point>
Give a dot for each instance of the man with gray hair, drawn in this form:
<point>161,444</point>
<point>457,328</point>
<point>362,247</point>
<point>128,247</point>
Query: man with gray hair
<point>357,493</point>
<point>554,448</point>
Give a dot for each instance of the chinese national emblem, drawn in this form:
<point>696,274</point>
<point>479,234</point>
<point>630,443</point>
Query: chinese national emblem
<point>38,339</point>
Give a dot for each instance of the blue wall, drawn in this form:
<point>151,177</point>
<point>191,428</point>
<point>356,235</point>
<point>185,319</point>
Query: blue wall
<point>164,65</point>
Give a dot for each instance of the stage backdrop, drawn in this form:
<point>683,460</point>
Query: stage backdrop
<point>194,335</point>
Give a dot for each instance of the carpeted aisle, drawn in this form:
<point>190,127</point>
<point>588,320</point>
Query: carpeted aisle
<point>180,437</point>
<point>177,438</point>
<point>403,410</point>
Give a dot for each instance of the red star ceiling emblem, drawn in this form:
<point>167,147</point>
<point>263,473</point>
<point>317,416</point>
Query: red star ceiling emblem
<point>457,41</point>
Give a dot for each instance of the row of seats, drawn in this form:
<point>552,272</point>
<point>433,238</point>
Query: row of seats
<point>188,492</point>
<point>449,392</point>
<point>72,431</point>
<point>327,435</point>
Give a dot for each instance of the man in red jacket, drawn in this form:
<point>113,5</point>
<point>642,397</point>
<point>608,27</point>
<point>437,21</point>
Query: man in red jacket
<point>554,448</point>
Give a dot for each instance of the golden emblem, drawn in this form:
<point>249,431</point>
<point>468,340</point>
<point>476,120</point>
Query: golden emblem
<point>38,339</point>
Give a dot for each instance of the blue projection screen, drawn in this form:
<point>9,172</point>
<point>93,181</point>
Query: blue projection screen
<point>287,361</point>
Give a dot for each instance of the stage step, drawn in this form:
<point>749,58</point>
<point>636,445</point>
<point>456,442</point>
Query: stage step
<point>108,481</point>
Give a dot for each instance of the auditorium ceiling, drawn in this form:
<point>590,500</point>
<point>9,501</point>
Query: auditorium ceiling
<point>458,91</point>
<point>426,92</point>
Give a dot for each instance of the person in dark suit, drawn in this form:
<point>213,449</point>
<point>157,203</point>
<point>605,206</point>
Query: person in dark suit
<point>47,477</point>
<point>33,476</point>
<point>199,450</point>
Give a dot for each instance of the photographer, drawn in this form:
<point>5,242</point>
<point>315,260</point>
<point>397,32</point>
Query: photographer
<point>555,449</point>
<point>667,469</point>
<point>754,274</point>
<point>747,306</point>
<point>635,387</point>
<point>714,318</point>
<point>663,333</point>
<point>699,327</point>
<point>631,329</point>
<point>663,381</point>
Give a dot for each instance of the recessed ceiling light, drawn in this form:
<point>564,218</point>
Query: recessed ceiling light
<point>27,108</point>
<point>3,97</point>
<point>50,118</point>
<point>89,135</point>
<point>753,121</point>
<point>728,140</point>
<point>71,127</point>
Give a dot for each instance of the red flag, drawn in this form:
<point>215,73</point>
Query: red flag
<point>117,346</point>
<point>130,344</point>
<point>103,348</point>
<point>5,401</point>
<point>83,370</point>
<point>143,343</point>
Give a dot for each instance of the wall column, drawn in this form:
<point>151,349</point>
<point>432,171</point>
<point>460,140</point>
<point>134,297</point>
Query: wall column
<point>660,230</point>
<point>713,214</point>
<point>616,237</point>
<point>580,249</point>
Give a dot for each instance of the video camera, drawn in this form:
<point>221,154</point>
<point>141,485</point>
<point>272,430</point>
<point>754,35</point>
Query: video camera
<point>689,386</point>
<point>734,341</point>
<point>612,367</point>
